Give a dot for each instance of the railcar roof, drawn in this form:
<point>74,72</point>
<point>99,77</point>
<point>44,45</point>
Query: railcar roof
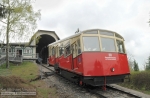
<point>77,34</point>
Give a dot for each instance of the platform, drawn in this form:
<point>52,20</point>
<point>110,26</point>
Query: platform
<point>131,91</point>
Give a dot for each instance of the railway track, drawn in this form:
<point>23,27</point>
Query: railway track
<point>111,91</point>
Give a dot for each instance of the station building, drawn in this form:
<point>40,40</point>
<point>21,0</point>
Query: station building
<point>32,50</point>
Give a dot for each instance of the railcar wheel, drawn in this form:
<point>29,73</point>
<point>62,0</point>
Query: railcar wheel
<point>81,83</point>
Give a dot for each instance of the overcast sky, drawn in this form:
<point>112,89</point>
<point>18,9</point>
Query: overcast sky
<point>126,17</point>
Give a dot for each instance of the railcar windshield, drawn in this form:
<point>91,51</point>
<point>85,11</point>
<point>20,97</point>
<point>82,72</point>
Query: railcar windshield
<point>91,44</point>
<point>120,46</point>
<point>108,44</point>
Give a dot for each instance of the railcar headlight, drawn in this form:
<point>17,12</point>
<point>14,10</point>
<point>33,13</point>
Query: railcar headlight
<point>112,69</point>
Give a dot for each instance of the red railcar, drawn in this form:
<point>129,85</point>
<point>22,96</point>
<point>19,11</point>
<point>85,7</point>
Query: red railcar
<point>95,57</point>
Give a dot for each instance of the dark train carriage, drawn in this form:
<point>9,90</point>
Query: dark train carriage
<point>95,57</point>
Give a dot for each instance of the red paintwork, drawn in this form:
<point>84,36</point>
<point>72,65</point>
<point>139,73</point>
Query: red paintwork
<point>98,64</point>
<point>94,63</point>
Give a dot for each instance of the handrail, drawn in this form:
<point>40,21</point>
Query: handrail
<point>2,60</point>
<point>14,58</point>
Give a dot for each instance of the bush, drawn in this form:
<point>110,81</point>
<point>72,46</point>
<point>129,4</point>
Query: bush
<point>141,80</point>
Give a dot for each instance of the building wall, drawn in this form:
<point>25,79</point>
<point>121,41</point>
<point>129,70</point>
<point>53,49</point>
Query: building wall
<point>28,52</point>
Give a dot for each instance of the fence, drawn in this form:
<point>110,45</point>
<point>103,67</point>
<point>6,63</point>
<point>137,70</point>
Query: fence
<point>2,60</point>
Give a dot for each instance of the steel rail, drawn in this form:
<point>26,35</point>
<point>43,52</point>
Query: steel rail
<point>97,94</point>
<point>132,95</point>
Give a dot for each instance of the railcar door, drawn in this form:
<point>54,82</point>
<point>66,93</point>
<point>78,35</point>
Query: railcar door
<point>74,56</point>
<point>53,56</point>
<point>68,61</point>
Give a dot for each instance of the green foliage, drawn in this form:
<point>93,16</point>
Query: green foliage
<point>3,11</point>
<point>20,77</point>
<point>139,81</point>
<point>135,67</point>
<point>22,20</point>
<point>148,64</point>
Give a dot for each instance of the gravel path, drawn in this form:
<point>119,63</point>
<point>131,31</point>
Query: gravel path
<point>65,88</point>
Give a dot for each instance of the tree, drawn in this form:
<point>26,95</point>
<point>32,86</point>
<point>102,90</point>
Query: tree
<point>20,21</point>
<point>130,60</point>
<point>148,64</point>
<point>2,11</point>
<point>135,67</point>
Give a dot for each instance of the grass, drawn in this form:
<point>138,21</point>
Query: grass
<point>47,91</point>
<point>19,76</point>
<point>25,70</point>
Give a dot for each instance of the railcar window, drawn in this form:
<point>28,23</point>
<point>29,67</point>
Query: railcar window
<point>74,50</point>
<point>53,51</point>
<point>67,50</point>
<point>50,51</point>
<point>79,46</point>
<point>61,51</point>
<point>120,46</point>
<point>117,35</point>
<point>91,44</point>
<point>106,33</point>
<point>91,32</point>
<point>108,44</point>
<point>56,51</point>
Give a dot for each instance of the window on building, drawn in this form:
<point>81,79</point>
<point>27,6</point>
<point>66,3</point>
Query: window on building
<point>3,50</point>
<point>91,44</point>
<point>9,49</point>
<point>24,51</point>
<point>28,51</point>
<point>120,46</point>
<point>108,44</point>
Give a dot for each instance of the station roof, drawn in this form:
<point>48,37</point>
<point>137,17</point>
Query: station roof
<point>18,44</point>
<point>32,38</point>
